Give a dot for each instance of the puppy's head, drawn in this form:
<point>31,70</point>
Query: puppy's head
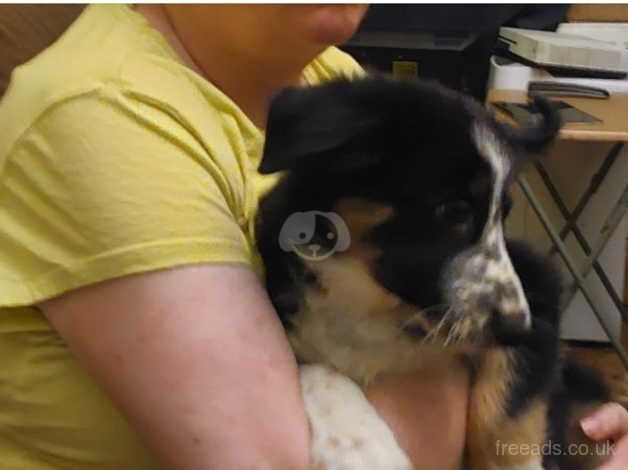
<point>418,177</point>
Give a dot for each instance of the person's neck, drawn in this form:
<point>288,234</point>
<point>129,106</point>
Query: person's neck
<point>249,83</point>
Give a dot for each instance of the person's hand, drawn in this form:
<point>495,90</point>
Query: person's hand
<point>610,421</point>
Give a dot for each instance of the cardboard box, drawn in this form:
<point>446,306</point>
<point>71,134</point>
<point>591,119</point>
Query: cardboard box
<point>598,12</point>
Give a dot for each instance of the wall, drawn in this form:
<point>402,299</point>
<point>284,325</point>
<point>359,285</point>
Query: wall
<point>571,165</point>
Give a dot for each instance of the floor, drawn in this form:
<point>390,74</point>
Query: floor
<point>604,359</point>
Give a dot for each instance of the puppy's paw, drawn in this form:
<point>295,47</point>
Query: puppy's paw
<point>347,433</point>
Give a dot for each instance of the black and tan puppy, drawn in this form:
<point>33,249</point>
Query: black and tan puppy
<point>385,252</point>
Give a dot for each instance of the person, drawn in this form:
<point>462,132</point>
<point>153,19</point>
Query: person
<point>134,329</point>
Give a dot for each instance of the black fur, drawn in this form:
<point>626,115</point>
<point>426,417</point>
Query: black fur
<point>408,145</point>
<point>382,141</point>
<point>576,386</point>
<point>536,352</point>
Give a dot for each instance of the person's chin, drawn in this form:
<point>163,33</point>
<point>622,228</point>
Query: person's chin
<point>335,24</point>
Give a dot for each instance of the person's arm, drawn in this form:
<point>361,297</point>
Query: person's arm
<point>427,414</point>
<point>184,350</point>
<point>197,361</point>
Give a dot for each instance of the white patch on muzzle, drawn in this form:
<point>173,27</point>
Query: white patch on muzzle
<point>483,279</point>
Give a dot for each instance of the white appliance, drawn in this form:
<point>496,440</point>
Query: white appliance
<point>506,74</point>
<point>612,33</point>
<point>565,51</point>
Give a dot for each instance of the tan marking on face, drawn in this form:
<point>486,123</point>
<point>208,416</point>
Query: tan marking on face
<point>346,278</point>
<point>348,319</point>
<point>361,216</point>
<point>489,425</point>
<point>334,330</point>
<point>348,283</point>
<point>355,325</point>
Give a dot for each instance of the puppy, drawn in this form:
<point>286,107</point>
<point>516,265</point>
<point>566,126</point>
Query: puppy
<point>384,250</point>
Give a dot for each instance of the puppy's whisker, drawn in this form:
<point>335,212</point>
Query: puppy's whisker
<point>441,324</point>
<point>421,313</point>
<point>450,334</point>
<point>456,332</point>
<point>434,332</point>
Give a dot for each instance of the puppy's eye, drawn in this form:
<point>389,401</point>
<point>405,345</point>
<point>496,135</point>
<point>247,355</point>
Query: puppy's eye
<point>457,215</point>
<point>302,235</point>
<point>330,235</point>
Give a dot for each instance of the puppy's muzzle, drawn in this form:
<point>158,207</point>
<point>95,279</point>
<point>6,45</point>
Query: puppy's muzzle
<point>488,289</point>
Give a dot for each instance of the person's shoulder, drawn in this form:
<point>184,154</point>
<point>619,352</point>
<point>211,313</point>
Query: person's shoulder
<point>109,50</point>
<point>332,64</point>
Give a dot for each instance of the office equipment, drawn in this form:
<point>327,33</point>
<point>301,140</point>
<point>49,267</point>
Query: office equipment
<point>506,74</point>
<point>550,88</point>
<point>447,43</point>
<point>564,54</point>
<point>612,33</point>
<point>527,114</point>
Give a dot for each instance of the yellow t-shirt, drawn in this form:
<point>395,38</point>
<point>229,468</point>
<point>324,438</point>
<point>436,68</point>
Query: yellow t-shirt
<point>114,159</point>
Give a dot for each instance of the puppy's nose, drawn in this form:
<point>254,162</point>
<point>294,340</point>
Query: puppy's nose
<point>314,247</point>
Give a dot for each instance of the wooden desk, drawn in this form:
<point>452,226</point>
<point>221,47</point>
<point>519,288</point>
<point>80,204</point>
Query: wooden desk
<point>613,113</point>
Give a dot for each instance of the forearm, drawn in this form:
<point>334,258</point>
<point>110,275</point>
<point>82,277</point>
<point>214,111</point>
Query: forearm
<point>197,362</point>
<point>230,424</point>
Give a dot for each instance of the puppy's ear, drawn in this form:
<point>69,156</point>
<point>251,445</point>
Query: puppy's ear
<point>306,124</point>
<point>534,139</point>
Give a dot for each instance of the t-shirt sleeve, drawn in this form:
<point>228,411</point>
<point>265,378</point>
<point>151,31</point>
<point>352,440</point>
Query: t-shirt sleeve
<point>333,64</point>
<point>95,190</point>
